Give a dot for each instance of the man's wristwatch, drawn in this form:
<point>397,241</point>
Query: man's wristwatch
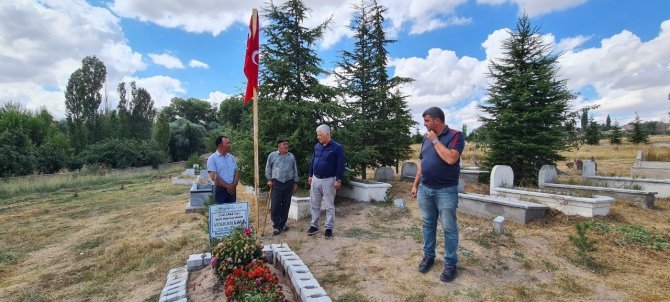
<point>435,141</point>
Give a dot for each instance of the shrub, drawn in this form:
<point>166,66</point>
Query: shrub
<point>122,153</point>
<point>234,252</point>
<point>254,282</point>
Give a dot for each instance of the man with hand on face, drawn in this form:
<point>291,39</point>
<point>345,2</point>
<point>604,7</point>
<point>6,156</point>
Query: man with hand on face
<point>436,186</point>
<point>223,171</point>
<point>281,171</point>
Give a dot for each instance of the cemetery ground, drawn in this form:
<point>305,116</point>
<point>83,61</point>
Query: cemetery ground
<point>115,237</point>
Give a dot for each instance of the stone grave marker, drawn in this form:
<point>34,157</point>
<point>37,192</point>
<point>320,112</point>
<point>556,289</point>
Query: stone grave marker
<point>408,170</point>
<point>384,174</point>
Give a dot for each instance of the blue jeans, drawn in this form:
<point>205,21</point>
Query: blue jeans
<point>442,204</point>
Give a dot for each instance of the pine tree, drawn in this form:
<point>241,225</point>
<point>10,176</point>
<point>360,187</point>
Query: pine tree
<point>378,128</point>
<point>592,133</point>
<point>608,123</point>
<point>291,101</point>
<point>638,135</point>
<point>584,122</point>
<point>615,135</point>
<point>526,126</point>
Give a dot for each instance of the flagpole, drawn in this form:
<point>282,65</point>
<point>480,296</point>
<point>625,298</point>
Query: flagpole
<point>256,166</point>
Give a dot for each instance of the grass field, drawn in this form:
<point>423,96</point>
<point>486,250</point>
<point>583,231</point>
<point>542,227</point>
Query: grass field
<point>114,237</point>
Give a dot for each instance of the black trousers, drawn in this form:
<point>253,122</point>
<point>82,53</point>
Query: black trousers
<point>281,202</point>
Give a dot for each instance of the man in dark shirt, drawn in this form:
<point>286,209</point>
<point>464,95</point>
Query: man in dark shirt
<point>436,185</point>
<point>325,177</point>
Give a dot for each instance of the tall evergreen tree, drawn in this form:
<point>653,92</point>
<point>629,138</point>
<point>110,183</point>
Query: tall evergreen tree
<point>584,122</point>
<point>592,133</point>
<point>161,132</point>
<point>638,135</point>
<point>82,99</point>
<point>378,129</point>
<point>528,106</point>
<point>142,112</point>
<point>615,135</point>
<point>292,102</point>
<point>608,123</point>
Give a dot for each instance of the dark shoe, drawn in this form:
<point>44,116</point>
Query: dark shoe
<point>449,273</point>
<point>426,264</point>
<point>328,234</point>
<point>312,230</point>
<point>275,232</point>
<point>285,228</point>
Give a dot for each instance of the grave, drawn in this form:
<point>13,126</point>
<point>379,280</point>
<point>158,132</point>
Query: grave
<point>384,174</point>
<point>300,207</point>
<point>471,176</point>
<point>487,207</point>
<point>660,186</point>
<point>643,168</point>
<point>364,191</point>
<point>408,170</point>
<point>502,184</point>
<point>547,177</point>
<point>198,196</point>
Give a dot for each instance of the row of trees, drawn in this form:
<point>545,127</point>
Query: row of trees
<point>366,111</point>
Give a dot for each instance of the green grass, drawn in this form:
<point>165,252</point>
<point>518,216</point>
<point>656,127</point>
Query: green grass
<point>632,234</point>
<point>89,244</point>
<point>352,297</point>
<point>11,187</point>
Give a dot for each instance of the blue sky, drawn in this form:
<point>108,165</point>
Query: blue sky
<point>616,53</point>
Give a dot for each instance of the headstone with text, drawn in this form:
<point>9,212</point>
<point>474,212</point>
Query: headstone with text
<point>224,218</point>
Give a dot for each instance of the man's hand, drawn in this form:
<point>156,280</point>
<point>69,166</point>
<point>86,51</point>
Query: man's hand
<point>338,184</point>
<point>270,184</point>
<point>309,180</point>
<point>431,135</point>
<point>295,187</point>
<point>413,191</point>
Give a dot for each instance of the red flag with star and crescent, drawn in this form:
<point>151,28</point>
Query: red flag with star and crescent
<point>251,58</point>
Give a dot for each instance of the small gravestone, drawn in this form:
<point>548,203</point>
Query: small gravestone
<point>399,203</point>
<point>501,177</point>
<point>499,226</point>
<point>589,169</point>
<point>579,164</point>
<point>408,170</point>
<point>188,172</point>
<point>547,175</point>
<point>384,174</point>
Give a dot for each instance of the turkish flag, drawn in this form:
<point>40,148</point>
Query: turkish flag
<point>251,58</point>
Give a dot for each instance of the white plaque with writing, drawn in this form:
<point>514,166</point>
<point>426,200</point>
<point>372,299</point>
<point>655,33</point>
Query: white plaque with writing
<point>224,218</point>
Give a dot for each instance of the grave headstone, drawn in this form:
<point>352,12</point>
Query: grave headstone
<point>501,177</point>
<point>384,174</point>
<point>188,172</point>
<point>408,170</point>
<point>547,175</point>
<point>578,164</point>
<point>589,169</point>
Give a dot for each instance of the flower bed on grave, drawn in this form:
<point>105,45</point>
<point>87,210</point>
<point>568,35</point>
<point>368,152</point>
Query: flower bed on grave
<point>237,260</point>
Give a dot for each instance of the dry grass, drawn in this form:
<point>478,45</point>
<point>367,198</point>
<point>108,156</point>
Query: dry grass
<point>115,240</point>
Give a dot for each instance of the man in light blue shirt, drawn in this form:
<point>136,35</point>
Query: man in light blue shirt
<point>223,171</point>
<point>281,171</point>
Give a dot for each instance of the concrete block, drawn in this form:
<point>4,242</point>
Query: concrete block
<point>399,203</point>
<point>499,226</point>
<point>267,254</point>
<point>296,277</point>
<point>296,269</point>
<point>285,262</point>
<point>308,283</point>
<point>312,293</point>
<point>173,297</point>
<point>318,299</point>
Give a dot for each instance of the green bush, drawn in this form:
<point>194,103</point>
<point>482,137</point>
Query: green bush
<point>123,153</point>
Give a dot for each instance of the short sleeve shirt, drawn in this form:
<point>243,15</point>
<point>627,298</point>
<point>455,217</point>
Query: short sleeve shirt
<point>223,165</point>
<point>436,173</point>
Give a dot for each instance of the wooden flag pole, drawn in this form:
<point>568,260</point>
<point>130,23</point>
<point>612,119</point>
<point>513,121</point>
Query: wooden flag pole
<point>256,167</point>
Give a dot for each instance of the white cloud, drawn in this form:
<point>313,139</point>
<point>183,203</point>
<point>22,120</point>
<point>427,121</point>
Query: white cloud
<point>167,60</point>
<point>161,88</point>
<point>216,97</point>
<point>197,64</point>
<point>42,43</point>
<point>628,74</point>
<point>537,7</point>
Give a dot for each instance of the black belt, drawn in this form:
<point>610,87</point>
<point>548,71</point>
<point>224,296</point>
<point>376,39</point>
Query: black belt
<point>322,177</point>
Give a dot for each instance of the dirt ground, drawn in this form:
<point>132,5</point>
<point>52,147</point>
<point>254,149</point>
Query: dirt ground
<point>377,247</point>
